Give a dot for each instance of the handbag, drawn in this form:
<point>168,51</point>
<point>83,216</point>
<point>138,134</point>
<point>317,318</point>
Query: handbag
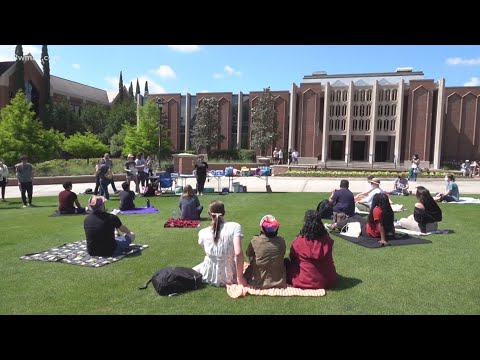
<point>352,229</point>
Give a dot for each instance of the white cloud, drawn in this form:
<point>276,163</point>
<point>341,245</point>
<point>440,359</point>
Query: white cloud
<point>165,72</point>
<point>218,76</point>
<point>76,66</point>
<point>7,52</point>
<point>231,71</point>
<point>474,81</point>
<point>185,48</point>
<point>462,61</point>
<point>204,91</point>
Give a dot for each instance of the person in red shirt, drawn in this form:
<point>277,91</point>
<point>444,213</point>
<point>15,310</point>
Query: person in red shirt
<point>68,201</point>
<point>310,265</point>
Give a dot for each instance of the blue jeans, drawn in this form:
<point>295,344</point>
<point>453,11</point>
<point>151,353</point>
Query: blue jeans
<point>104,188</point>
<point>123,243</point>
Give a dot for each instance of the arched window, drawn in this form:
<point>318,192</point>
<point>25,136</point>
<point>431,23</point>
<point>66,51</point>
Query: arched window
<point>392,125</point>
<point>332,110</point>
<point>355,110</point>
<point>362,110</point>
<point>394,110</point>
<point>337,124</point>
<point>379,125</point>
<point>361,125</point>
<point>369,95</point>
<point>355,95</point>
<point>332,95</point>
<point>380,110</point>
<point>344,110</point>
<point>362,95</point>
<point>337,110</point>
<point>369,109</point>
<point>387,110</point>
<point>343,124</point>
<point>387,95</point>
<point>345,95</point>
<point>367,126</point>
<point>394,94</point>
<point>380,95</point>
<point>385,125</point>
<point>330,127</point>
<point>354,124</point>
<point>339,95</point>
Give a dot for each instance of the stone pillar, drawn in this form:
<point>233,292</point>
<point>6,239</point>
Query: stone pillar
<point>437,149</point>
<point>348,137</point>
<point>187,120</point>
<point>326,101</point>
<point>293,117</point>
<point>398,123</point>
<point>373,123</point>
<point>239,120</point>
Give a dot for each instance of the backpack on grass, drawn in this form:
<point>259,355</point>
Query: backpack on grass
<point>175,280</point>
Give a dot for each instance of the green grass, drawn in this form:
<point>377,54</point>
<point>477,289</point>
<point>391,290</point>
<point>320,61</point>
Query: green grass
<point>437,278</point>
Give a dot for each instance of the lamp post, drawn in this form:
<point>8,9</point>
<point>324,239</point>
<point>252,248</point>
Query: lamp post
<point>159,102</point>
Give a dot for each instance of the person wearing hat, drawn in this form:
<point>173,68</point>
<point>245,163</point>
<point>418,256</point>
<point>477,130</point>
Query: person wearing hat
<point>266,252</point>
<point>310,265</point>
<point>466,171</point>
<point>366,203</point>
<point>100,228</point>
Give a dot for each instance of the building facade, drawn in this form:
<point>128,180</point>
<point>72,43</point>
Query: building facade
<point>373,117</point>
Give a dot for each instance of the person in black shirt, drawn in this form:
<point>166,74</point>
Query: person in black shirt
<point>100,228</point>
<point>126,197</point>
<point>201,168</point>
<point>343,202</point>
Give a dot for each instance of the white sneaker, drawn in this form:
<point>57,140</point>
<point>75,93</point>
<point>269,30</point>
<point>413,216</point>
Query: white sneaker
<point>24,206</point>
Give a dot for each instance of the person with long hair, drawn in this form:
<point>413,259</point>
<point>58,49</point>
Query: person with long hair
<point>222,243</point>
<point>426,213</point>
<point>311,265</point>
<point>451,192</point>
<point>379,223</point>
<point>266,252</point>
<point>189,205</point>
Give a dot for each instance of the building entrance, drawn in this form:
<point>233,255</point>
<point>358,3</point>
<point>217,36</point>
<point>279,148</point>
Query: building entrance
<point>337,151</point>
<point>358,151</point>
<point>381,151</point>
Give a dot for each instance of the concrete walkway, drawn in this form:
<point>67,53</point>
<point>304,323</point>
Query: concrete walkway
<point>278,184</point>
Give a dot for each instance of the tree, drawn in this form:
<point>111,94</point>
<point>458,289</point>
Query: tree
<point>145,138</point>
<point>118,115</point>
<point>130,91</point>
<point>116,143</point>
<point>85,146</point>
<point>44,113</point>
<point>20,69</point>
<point>21,133</point>
<point>120,89</point>
<point>206,132</point>
<point>63,118</point>
<point>94,118</point>
<point>145,91</point>
<point>264,125</point>
<point>138,89</point>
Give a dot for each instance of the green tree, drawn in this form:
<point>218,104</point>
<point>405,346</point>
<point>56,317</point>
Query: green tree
<point>120,89</point>
<point>20,69</point>
<point>85,146</point>
<point>264,124</point>
<point>94,118</point>
<point>21,133</point>
<point>145,138</point>
<point>116,143</point>
<point>44,113</point>
<point>145,91</point>
<point>137,91</point>
<point>64,119</point>
<point>118,115</point>
<point>130,91</point>
<point>206,132</point>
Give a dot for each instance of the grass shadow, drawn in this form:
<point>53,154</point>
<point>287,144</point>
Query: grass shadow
<point>344,283</point>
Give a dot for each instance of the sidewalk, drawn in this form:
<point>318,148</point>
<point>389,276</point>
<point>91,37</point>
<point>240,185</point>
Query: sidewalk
<point>278,184</point>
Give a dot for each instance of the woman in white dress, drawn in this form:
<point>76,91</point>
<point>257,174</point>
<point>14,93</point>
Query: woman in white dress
<point>222,242</point>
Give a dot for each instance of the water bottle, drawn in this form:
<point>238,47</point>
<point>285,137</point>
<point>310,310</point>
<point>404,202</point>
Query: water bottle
<point>148,203</point>
<point>174,214</point>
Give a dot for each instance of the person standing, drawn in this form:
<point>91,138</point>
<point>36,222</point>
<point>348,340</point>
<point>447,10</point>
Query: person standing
<point>280,156</point>
<point>414,168</point>
<point>100,228</point>
<point>104,180</point>
<point>295,156</point>
<point>109,162</point>
<point>201,168</point>
<point>3,177</point>
<point>24,171</point>
<point>68,201</point>
<point>131,172</point>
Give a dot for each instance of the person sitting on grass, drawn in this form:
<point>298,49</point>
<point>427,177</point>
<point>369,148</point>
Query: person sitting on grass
<point>379,223</point>
<point>266,252</point>
<point>126,197</point>
<point>100,228</point>
<point>426,214</point>
<point>222,243</point>
<point>401,185</point>
<point>68,201</point>
<point>310,265</point>
<point>364,194</point>
<point>451,193</point>
<point>190,208</point>
<point>365,204</point>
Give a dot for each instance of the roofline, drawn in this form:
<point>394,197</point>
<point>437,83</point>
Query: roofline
<point>93,87</point>
<point>399,73</point>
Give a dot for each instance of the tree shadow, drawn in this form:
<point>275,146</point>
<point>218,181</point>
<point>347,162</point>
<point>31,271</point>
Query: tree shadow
<point>344,283</point>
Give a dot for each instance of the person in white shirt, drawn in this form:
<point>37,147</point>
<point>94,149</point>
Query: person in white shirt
<point>280,157</point>
<point>466,170</point>
<point>3,177</point>
<point>366,203</point>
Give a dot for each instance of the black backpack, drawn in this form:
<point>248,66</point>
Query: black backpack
<point>325,209</point>
<point>175,280</point>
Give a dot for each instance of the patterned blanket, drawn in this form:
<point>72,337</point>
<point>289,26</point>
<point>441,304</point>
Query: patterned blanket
<point>235,291</point>
<point>76,254</point>
<point>179,223</point>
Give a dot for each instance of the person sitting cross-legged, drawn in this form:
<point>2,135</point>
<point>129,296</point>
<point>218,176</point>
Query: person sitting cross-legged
<point>68,201</point>
<point>100,228</point>
<point>426,214</point>
<point>189,205</point>
<point>126,197</point>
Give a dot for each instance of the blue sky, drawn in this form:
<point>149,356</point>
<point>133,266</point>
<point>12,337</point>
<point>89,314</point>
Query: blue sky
<point>234,68</point>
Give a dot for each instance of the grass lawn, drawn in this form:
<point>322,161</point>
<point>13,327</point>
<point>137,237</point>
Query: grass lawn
<point>438,278</point>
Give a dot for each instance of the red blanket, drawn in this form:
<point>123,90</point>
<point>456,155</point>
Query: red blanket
<point>179,223</point>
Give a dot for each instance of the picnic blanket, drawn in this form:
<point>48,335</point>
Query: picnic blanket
<point>395,208</point>
<point>465,200</point>
<point>400,239</point>
<point>60,214</point>
<point>76,254</point>
<point>419,233</point>
<point>140,210</point>
<point>236,291</point>
<point>179,223</point>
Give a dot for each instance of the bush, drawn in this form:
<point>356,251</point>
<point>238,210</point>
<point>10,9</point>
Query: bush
<point>350,173</point>
<point>247,155</point>
<point>233,155</point>
<point>60,167</point>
